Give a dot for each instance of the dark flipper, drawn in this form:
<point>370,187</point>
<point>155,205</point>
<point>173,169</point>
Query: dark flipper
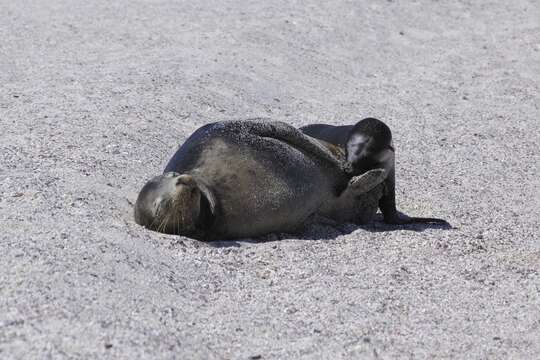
<point>284,132</point>
<point>288,134</point>
<point>387,203</point>
<point>391,215</point>
<point>428,220</point>
<point>404,220</point>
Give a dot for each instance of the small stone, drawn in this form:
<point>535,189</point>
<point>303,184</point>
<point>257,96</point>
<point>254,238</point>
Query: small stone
<point>401,33</point>
<point>255,357</point>
<point>108,346</point>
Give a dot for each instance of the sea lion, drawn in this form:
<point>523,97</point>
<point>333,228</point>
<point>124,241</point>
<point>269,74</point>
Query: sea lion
<point>368,145</point>
<point>239,179</point>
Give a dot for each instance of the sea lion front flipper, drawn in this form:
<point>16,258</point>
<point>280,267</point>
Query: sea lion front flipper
<point>363,183</point>
<point>288,134</point>
<point>297,139</point>
<point>402,219</point>
<point>391,215</point>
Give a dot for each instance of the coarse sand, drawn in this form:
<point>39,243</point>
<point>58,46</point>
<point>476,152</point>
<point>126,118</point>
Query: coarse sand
<point>95,96</point>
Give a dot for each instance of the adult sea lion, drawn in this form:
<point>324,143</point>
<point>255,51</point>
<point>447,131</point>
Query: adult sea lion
<point>368,145</point>
<point>248,178</point>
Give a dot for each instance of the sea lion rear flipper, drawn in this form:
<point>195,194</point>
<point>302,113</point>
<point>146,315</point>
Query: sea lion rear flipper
<point>288,134</point>
<point>428,220</point>
<point>363,183</point>
<point>391,215</point>
<point>402,219</point>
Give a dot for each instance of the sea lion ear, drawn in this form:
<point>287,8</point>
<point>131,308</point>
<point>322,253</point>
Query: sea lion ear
<point>209,195</point>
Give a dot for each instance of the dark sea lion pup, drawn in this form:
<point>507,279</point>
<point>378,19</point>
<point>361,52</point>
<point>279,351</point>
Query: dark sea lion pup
<point>368,145</point>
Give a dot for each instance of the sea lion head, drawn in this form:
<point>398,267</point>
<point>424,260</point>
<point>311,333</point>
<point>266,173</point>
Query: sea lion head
<point>175,203</point>
<point>369,146</point>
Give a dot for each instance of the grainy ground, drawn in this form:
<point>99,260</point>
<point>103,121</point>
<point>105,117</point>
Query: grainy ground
<point>95,97</point>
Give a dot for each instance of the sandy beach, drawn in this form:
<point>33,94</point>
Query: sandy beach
<point>96,96</point>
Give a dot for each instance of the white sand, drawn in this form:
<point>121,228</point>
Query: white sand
<point>96,96</point>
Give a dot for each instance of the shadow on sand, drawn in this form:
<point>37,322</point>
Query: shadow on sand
<point>324,229</point>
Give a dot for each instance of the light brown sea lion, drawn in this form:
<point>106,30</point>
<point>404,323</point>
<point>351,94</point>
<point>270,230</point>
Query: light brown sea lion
<point>239,179</point>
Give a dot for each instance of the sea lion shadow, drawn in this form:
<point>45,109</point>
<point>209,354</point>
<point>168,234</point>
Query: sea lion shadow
<point>378,225</point>
<point>330,230</point>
